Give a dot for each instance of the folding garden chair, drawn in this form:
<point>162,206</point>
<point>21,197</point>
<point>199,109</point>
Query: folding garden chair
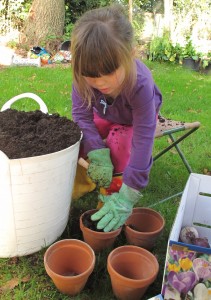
<point>168,127</point>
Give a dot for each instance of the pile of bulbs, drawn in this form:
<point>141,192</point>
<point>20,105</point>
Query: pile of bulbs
<point>190,235</point>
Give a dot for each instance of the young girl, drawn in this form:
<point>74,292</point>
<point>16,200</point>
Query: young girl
<point>115,102</point>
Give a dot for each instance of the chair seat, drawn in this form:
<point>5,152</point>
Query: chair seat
<point>167,126</point>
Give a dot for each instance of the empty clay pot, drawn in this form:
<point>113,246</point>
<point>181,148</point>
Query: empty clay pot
<point>69,264</point>
<point>98,240</point>
<point>144,227</point>
<point>132,269</point>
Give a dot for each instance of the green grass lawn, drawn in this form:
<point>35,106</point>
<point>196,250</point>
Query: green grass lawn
<point>186,97</point>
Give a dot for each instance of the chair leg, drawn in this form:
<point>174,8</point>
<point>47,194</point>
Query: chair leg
<point>188,167</point>
<point>175,144</point>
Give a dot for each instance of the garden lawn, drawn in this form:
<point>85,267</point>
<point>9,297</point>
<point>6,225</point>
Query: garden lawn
<point>186,97</point>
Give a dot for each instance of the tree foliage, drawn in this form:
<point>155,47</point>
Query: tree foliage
<point>189,16</point>
<point>153,6</point>
<point>75,8</point>
<point>13,14</point>
<point>192,18</point>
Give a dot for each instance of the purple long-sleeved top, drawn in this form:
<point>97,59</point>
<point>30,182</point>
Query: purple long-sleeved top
<point>139,110</point>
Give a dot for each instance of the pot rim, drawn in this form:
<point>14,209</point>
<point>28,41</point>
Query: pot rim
<point>154,213</point>
<point>66,241</point>
<point>139,250</point>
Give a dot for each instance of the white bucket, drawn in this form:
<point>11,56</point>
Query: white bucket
<point>35,196</point>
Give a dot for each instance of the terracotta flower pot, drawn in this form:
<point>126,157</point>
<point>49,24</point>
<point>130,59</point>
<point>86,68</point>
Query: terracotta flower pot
<point>132,269</point>
<point>98,240</point>
<point>144,227</point>
<point>69,264</point>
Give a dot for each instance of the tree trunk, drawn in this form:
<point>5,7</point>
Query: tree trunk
<point>44,25</point>
<point>168,10</point>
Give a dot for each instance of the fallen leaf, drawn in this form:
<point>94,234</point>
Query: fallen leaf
<point>172,92</point>
<point>26,278</point>
<point>194,111</point>
<point>12,283</point>
<point>41,91</point>
<point>32,77</point>
<point>64,92</point>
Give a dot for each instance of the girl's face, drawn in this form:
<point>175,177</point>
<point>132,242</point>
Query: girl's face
<point>108,84</point>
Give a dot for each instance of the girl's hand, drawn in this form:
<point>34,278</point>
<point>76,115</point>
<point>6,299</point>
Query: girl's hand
<point>100,168</point>
<point>117,208</point>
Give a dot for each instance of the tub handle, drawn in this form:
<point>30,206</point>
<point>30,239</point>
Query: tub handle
<point>42,105</point>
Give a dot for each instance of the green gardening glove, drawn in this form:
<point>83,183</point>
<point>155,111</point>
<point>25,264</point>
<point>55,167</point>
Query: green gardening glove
<point>100,169</point>
<point>117,208</point>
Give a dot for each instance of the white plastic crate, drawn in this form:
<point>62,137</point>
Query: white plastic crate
<point>187,273</point>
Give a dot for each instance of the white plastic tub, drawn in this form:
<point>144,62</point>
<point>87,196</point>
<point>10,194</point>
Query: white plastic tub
<point>35,199</point>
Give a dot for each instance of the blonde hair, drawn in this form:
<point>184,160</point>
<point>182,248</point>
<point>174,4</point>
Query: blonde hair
<point>102,41</point>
